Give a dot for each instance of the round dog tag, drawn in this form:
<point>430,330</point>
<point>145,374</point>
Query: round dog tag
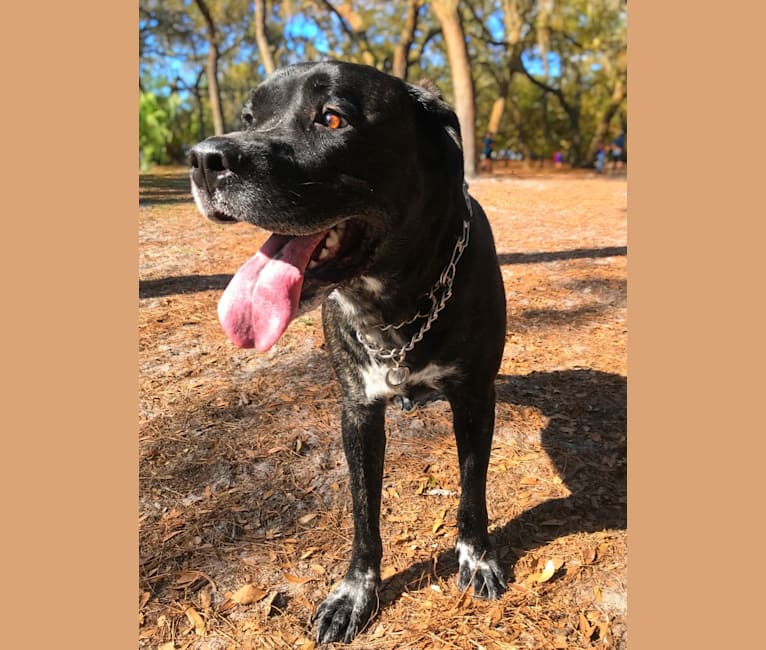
<point>395,377</point>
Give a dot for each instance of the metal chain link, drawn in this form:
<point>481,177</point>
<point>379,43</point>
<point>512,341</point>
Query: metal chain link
<point>438,302</point>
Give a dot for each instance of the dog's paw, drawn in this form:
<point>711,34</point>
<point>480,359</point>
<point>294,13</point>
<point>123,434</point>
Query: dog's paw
<point>347,609</point>
<point>480,569</point>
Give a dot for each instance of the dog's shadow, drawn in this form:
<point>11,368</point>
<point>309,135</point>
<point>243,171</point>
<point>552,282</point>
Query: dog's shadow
<point>586,440</point>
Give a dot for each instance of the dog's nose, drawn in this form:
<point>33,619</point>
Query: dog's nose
<point>212,159</point>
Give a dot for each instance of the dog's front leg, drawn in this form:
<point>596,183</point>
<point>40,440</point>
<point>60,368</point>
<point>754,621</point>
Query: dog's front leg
<point>474,420</point>
<point>354,601</point>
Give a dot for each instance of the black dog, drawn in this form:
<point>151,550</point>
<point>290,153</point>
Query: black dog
<point>360,177</point>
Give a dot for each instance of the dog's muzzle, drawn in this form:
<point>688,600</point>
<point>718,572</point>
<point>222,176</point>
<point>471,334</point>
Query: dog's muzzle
<point>212,160</point>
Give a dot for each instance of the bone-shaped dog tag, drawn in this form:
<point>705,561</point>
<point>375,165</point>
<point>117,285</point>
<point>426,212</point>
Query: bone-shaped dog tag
<point>397,376</point>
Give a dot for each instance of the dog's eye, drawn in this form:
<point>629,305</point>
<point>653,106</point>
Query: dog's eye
<point>332,120</point>
<point>247,117</point>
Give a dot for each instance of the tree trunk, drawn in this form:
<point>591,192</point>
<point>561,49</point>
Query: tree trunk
<point>211,67</point>
<point>261,40</point>
<point>462,82</point>
<point>602,128</point>
<point>513,19</point>
<point>402,49</point>
<point>498,107</point>
<point>575,138</point>
<point>214,91</point>
<point>200,109</point>
<point>571,108</point>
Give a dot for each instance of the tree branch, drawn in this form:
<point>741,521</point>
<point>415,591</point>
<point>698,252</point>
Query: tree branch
<point>358,36</point>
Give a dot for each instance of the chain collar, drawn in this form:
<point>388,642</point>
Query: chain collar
<point>439,294</point>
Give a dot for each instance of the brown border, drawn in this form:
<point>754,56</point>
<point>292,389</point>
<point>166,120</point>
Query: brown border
<point>69,229</point>
<point>694,553</point>
<point>70,539</point>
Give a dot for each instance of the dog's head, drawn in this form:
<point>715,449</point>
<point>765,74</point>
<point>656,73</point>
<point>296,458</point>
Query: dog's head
<point>338,161</point>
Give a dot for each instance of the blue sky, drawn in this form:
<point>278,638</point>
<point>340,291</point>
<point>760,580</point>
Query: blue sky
<point>301,28</point>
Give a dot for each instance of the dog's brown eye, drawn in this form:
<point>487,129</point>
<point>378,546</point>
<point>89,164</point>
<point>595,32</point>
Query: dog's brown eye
<point>332,120</point>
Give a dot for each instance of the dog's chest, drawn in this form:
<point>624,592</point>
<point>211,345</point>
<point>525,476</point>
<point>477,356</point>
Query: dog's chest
<point>373,371</point>
<point>376,387</point>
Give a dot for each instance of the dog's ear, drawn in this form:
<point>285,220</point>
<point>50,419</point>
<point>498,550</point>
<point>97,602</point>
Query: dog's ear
<point>440,124</point>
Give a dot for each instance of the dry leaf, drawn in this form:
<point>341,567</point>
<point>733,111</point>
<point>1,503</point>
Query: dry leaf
<point>226,605</point>
<point>276,450</point>
<point>305,519</point>
<point>572,570</point>
<point>297,580</point>
<point>379,631</point>
<point>204,598</point>
<point>268,602</point>
<point>586,629</point>
<point>495,615</point>
<point>247,594</point>
<point>439,521</point>
<point>144,599</point>
<point>604,631</point>
<point>167,646</point>
<point>196,620</point>
<point>548,571</point>
<point>388,572</point>
<point>463,600</point>
<point>188,578</point>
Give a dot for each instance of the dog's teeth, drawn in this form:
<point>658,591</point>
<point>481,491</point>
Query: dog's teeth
<point>313,264</point>
<point>332,239</point>
<point>324,254</point>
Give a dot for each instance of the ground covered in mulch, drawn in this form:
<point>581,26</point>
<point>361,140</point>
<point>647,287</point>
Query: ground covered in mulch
<point>244,514</point>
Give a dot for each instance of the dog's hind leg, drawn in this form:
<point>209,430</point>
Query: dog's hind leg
<point>474,419</point>
<point>349,607</point>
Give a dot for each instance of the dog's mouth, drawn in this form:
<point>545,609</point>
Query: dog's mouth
<point>287,274</point>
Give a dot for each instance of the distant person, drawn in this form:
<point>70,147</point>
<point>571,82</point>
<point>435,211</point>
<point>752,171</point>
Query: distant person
<point>558,159</point>
<point>618,152</point>
<point>600,159</point>
<point>486,155</point>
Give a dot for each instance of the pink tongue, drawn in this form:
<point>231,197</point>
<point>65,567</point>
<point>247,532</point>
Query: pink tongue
<point>262,297</point>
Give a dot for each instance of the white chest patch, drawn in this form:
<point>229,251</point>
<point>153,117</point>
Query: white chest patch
<point>374,374</point>
<point>375,386</point>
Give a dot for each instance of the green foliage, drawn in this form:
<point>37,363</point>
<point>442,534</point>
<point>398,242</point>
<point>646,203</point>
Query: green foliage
<point>155,114</point>
<point>569,107</point>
